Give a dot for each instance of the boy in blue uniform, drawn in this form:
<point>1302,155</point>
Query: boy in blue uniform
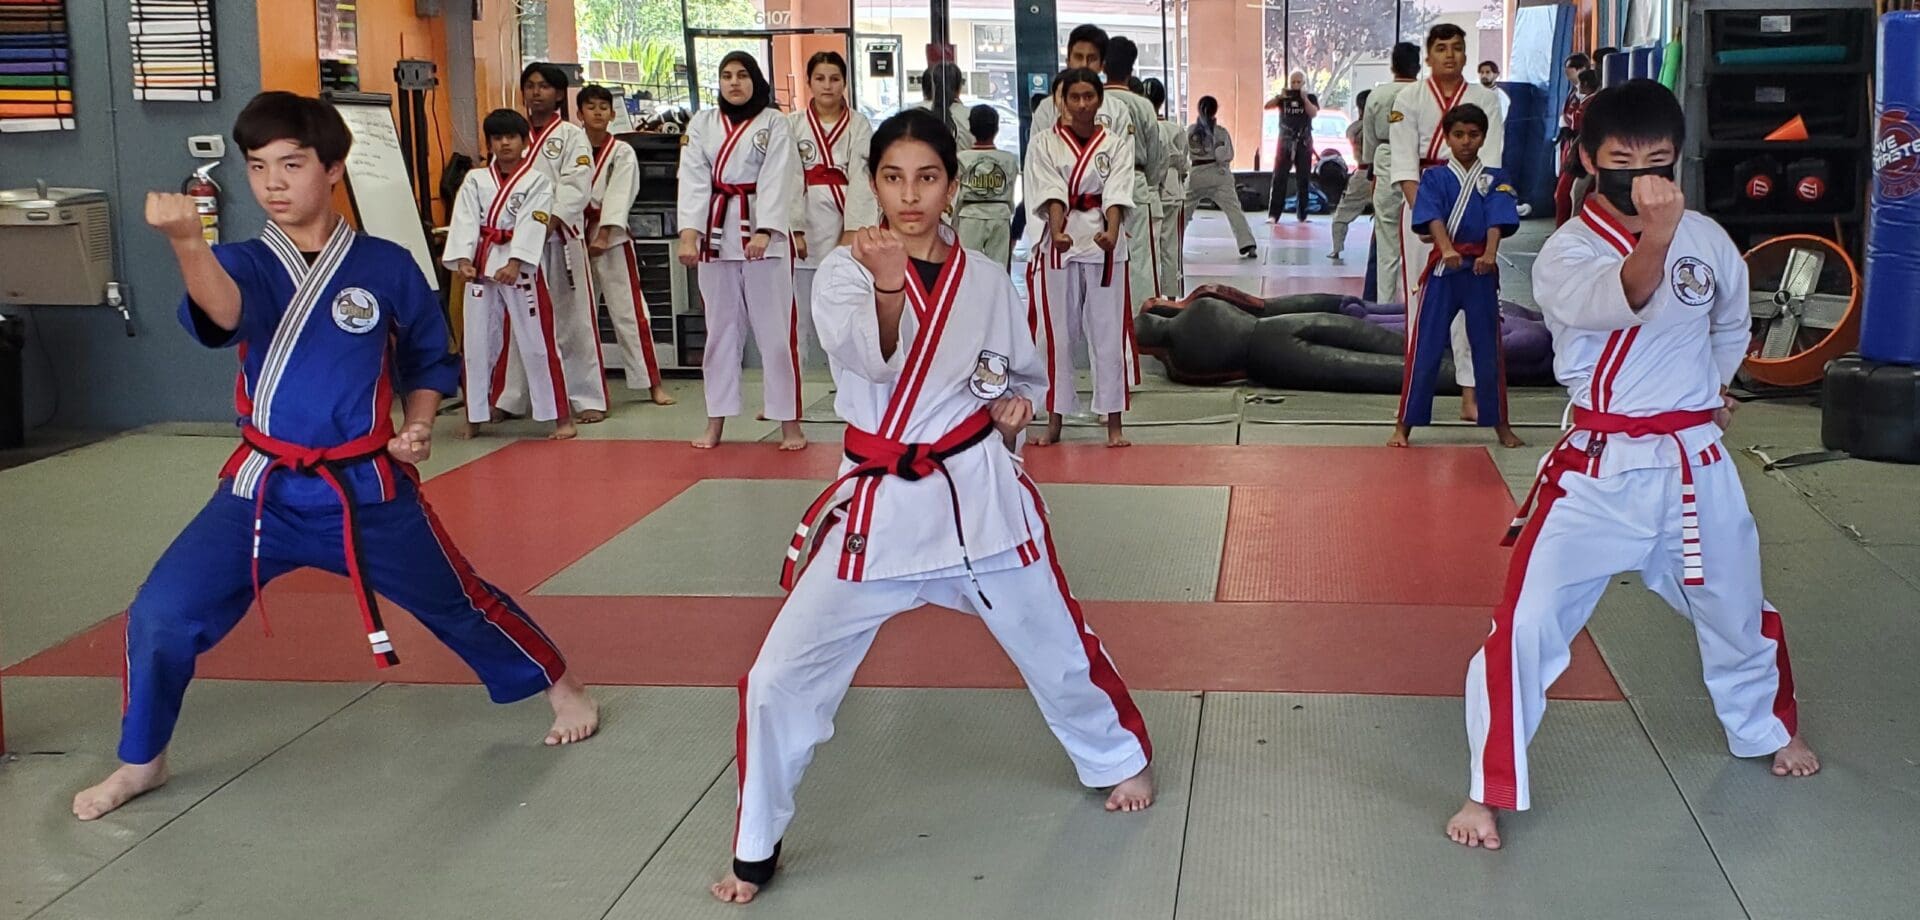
<point>1464,206</point>
<point>327,323</point>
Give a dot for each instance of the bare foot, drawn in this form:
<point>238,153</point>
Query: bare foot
<point>1402,436</point>
<point>1055,421</point>
<point>1469,410</point>
<point>575,714</point>
<point>497,415</point>
<point>563,430</point>
<point>1116,437</point>
<point>1508,438</point>
<point>792,437</point>
<point>1133,794</point>
<point>589,417</point>
<point>734,891</point>
<point>1474,825</point>
<point>467,431</point>
<point>661,397</point>
<point>126,783</point>
<point>712,438</point>
<point>1796,759</point>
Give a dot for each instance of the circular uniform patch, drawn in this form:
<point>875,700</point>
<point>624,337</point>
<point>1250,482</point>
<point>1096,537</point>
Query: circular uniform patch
<point>356,310</point>
<point>807,149</point>
<point>989,380</point>
<point>1103,162</point>
<point>552,148</point>
<point>760,139</point>
<point>1692,281</point>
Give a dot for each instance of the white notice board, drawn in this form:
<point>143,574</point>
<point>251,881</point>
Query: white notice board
<point>378,184</point>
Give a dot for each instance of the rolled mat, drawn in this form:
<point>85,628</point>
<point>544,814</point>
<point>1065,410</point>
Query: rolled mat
<point>1890,318</point>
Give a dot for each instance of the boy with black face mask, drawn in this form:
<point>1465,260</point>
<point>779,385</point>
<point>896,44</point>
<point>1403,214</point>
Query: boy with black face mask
<point>1647,303</point>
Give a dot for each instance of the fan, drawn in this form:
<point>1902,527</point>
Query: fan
<point>1805,298</point>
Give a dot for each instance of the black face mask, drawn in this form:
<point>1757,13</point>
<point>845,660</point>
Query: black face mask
<point>1617,184</point>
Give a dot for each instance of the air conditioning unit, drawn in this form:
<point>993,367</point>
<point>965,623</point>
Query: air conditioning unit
<point>56,246</point>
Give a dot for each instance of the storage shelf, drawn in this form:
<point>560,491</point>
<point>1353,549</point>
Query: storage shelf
<point>1856,143</point>
<point>1715,68</point>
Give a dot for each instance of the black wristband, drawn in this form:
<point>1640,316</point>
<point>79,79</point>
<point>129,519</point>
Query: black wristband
<point>759,872</point>
<point>877,289</point>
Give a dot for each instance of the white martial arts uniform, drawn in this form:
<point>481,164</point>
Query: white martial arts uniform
<point>983,210</point>
<point>1211,156</point>
<point>1083,290</point>
<point>892,544</point>
<point>1149,170</point>
<point>616,272</point>
<point>735,180</point>
<point>1359,193</point>
<point>1170,222</point>
<point>1419,142</point>
<point>838,195</point>
<point>1388,203</point>
<point>560,150</point>
<point>495,219</point>
<point>1642,481</point>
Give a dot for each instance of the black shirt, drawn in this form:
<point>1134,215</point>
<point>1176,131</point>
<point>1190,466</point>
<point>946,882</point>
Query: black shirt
<point>1294,119</point>
<point>929,272</point>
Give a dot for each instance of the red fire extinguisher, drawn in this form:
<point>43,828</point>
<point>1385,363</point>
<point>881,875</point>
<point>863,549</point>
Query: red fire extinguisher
<point>206,200</point>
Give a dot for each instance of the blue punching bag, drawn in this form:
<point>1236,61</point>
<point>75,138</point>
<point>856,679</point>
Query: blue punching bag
<point>1890,318</point>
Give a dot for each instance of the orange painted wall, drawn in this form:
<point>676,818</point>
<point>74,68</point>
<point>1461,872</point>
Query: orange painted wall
<point>1224,41</point>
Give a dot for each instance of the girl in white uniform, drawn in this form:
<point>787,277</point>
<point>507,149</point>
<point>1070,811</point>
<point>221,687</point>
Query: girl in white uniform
<point>739,179</point>
<point>1210,175</point>
<point>560,150</point>
<point>610,255</point>
<point>935,372</point>
<point>832,140</point>
<point>1080,188</point>
<point>497,235</point>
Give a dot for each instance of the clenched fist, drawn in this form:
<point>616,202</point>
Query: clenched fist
<point>880,251</point>
<point>1011,415</point>
<point>414,443</point>
<point>689,251</point>
<point>173,215</point>
<point>1660,204</point>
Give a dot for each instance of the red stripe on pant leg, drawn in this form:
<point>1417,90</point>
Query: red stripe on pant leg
<point>640,317</point>
<point>517,628</point>
<point>497,377</point>
<point>1785,707</point>
<point>562,404</point>
<point>1046,319</point>
<point>1500,782</point>
<point>1099,668</point>
<point>593,326</point>
<point>793,337</point>
<point>1406,370</point>
<point>740,762</point>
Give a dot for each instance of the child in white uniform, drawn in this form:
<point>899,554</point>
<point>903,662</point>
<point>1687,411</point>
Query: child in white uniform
<point>610,256</point>
<point>832,141</point>
<point>935,372</point>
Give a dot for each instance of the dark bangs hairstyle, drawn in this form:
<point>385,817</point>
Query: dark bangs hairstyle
<point>282,116</point>
<point>1637,113</point>
<point>915,124</point>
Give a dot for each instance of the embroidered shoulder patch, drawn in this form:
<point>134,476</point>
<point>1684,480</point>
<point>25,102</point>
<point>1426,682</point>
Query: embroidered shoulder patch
<point>540,216</point>
<point>584,160</point>
<point>1396,118</point>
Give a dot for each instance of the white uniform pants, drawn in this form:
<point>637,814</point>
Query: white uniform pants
<point>1143,262</point>
<point>1414,252</point>
<point>1169,231</point>
<point>1214,182</point>
<point>616,273</point>
<point>498,314</point>
<point>825,629</point>
<point>811,354</point>
<point>739,294</point>
<point>1073,304</point>
<point>990,236</point>
<point>1387,207</point>
<point>576,332</point>
<point>1359,194</point>
<point>1582,534</point>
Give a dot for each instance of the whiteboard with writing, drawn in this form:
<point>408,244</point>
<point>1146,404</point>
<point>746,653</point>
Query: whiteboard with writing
<point>378,184</point>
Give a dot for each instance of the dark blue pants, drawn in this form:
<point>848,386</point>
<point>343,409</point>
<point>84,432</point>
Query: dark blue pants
<point>1441,297</point>
<point>202,586</point>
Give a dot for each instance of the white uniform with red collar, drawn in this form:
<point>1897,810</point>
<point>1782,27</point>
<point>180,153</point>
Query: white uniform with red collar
<point>561,152</point>
<point>737,179</point>
<point>615,183</point>
<point>891,544</point>
<point>497,218</point>
<point>1083,291</point>
<point>1417,142</point>
<point>838,196</point>
<point>1642,482</point>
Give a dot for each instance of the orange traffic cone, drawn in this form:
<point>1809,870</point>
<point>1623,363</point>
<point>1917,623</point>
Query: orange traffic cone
<point>1794,130</point>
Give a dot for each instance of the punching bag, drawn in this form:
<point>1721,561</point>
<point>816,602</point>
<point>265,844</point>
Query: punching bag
<point>1872,400</point>
<point>1890,318</point>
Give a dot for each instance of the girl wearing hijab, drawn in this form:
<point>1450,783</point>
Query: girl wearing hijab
<point>740,187</point>
<point>1210,149</point>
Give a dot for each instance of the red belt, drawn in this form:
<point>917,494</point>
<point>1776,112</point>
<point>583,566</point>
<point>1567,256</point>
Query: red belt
<point>872,456</point>
<point>1093,203</point>
<point>489,238</point>
<point>593,216</point>
<point>1429,164</point>
<point>1466,251</point>
<point>329,463</point>
<point>724,197</point>
<point>822,174</point>
<point>1599,424</point>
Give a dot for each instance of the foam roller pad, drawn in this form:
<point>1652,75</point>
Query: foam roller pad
<point>1872,410</point>
<point>1890,318</point>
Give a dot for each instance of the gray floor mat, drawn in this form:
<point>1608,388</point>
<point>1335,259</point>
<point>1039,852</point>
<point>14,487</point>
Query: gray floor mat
<point>61,734</point>
<point>1841,844</point>
<point>429,802</point>
<point>1318,806</point>
<point>945,804</point>
<point>716,523</point>
<point>1879,500</point>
